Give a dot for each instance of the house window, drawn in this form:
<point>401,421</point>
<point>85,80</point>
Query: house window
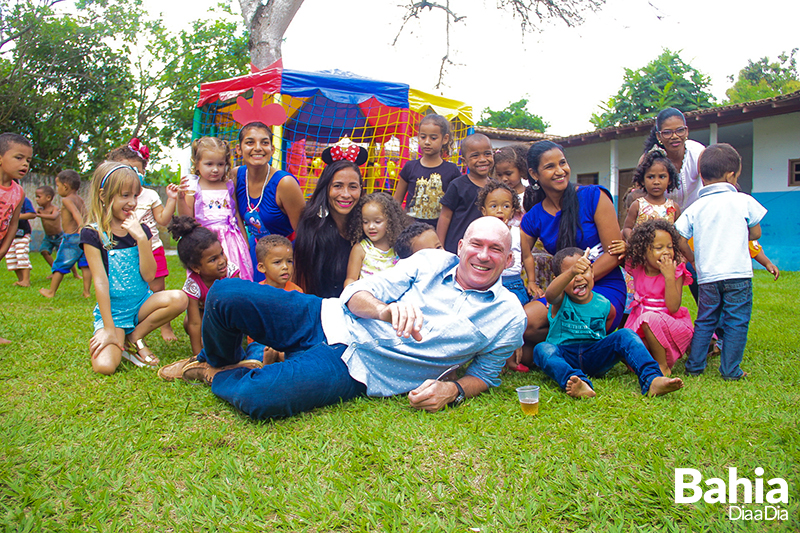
<point>591,179</point>
<point>794,173</point>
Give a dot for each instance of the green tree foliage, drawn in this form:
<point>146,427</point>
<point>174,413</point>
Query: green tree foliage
<point>514,116</point>
<point>667,81</point>
<point>61,85</point>
<point>80,84</point>
<point>763,79</point>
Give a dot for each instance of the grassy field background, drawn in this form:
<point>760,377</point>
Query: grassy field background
<point>81,452</point>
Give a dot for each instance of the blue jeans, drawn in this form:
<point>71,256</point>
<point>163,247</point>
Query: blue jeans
<point>516,286</point>
<point>727,304</point>
<point>563,361</point>
<point>313,374</point>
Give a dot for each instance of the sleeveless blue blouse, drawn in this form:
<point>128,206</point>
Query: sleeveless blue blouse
<point>268,219</point>
<point>271,219</point>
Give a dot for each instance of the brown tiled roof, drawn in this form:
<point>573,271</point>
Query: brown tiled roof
<point>702,118</point>
<point>512,134</point>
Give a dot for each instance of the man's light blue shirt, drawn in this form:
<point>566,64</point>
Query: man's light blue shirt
<point>484,327</point>
<point>719,220</point>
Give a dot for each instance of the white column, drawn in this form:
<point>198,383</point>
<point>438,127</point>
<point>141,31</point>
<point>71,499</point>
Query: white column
<point>613,184</point>
<point>713,130</point>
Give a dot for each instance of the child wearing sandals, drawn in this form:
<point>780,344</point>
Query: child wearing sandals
<point>120,257</point>
<point>150,211</point>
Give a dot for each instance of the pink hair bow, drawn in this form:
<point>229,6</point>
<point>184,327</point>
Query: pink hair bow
<point>142,150</point>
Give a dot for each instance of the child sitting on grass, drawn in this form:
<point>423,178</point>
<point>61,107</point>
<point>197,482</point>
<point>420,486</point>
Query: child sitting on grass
<point>577,345</point>
<point>200,251</point>
<point>276,261</point>
<point>418,236</point>
<point>659,275</point>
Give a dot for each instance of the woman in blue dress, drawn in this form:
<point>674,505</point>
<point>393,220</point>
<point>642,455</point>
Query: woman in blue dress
<point>269,201</point>
<point>564,214</point>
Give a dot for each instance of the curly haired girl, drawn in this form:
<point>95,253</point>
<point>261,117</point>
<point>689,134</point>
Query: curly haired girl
<point>659,275</point>
<point>373,226</point>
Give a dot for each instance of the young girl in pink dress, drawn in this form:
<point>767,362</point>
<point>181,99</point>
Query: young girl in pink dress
<point>211,199</point>
<point>656,314</point>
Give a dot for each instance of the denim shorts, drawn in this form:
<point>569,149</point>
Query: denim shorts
<point>69,253</point>
<point>51,242</point>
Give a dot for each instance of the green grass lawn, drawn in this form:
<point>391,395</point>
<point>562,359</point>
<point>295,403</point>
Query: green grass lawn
<point>82,452</point>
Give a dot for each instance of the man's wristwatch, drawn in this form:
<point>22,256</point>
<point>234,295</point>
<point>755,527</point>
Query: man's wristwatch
<point>460,397</point>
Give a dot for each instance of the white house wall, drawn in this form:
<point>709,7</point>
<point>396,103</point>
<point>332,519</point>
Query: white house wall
<point>776,140</point>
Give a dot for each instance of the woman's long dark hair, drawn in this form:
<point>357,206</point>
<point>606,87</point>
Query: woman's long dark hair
<point>570,223</point>
<point>320,261</point>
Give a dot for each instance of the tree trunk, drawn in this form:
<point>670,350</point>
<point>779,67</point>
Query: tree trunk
<point>267,21</point>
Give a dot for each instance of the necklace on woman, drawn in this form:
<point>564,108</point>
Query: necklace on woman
<point>250,207</point>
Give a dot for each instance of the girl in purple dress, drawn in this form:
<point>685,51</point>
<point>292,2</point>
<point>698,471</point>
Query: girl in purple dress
<point>210,197</point>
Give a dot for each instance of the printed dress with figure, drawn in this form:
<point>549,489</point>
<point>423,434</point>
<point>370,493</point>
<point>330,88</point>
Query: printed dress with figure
<point>648,211</point>
<point>673,331</point>
<point>375,259</point>
<point>215,210</point>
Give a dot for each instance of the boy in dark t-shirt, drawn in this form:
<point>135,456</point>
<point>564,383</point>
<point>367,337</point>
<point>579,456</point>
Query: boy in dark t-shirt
<point>458,203</point>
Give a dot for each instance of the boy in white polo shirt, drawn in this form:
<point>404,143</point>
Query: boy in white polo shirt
<point>722,221</point>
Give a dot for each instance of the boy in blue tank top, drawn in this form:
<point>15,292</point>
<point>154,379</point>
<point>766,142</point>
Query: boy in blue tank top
<point>577,345</point>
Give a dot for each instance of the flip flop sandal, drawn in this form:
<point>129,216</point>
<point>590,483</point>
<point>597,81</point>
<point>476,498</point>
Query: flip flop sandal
<point>135,356</point>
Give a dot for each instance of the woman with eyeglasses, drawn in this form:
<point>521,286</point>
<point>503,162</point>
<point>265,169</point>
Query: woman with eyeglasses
<point>671,133</point>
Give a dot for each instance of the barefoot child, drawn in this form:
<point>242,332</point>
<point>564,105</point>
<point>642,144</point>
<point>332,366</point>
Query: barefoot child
<point>577,345</point>
<point>721,221</point>
<point>50,217</point>
<point>418,236</point>
<point>151,212</point>
<point>73,217</point>
<point>15,159</point>
<point>659,276</point>
<point>373,226</point>
<point>120,257</point>
<point>424,181</point>
<point>458,203</point>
